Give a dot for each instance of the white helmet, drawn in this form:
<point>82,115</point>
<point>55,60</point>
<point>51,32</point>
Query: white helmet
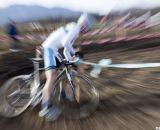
<point>86,20</point>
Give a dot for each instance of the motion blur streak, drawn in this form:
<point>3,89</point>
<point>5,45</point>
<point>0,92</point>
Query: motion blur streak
<point>129,98</point>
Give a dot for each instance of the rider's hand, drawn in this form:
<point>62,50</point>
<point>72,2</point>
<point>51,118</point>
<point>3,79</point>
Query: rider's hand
<point>64,61</point>
<point>76,60</point>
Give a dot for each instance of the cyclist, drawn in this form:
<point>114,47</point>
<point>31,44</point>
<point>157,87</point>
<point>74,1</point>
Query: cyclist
<point>63,37</point>
<point>13,35</point>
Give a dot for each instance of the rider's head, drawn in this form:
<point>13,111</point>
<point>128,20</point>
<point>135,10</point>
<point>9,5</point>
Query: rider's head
<point>86,22</point>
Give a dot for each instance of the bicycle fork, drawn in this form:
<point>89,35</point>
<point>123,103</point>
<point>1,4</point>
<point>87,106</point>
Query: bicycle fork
<point>71,83</point>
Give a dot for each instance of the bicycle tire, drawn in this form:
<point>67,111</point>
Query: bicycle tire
<point>9,108</point>
<point>83,110</point>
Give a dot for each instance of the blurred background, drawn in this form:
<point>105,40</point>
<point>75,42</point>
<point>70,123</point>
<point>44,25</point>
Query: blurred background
<point>126,31</point>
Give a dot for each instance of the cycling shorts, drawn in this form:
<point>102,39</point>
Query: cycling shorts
<point>50,60</point>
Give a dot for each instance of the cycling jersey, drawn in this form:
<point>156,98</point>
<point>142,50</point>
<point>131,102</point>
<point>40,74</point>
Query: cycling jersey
<point>63,37</point>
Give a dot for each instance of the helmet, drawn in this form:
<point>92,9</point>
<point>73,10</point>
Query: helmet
<point>86,20</point>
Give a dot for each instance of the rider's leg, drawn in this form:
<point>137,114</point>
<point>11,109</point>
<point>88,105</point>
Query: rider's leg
<point>51,65</point>
<point>49,86</point>
<point>53,112</point>
<point>47,90</point>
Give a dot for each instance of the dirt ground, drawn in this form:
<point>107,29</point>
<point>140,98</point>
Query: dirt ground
<point>129,98</point>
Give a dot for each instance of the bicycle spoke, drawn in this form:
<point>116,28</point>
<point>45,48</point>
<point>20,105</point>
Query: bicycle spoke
<point>14,94</point>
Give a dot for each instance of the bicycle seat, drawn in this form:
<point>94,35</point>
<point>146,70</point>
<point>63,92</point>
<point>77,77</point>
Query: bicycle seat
<point>36,59</point>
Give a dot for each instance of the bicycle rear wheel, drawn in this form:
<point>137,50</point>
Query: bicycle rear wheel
<point>15,96</point>
<point>87,97</point>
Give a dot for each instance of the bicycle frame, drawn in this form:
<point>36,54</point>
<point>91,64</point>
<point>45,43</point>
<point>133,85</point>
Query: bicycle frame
<point>36,75</point>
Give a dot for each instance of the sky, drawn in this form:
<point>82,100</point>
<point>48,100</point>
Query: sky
<point>94,6</point>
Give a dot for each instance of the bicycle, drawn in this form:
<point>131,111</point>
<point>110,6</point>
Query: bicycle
<point>20,92</point>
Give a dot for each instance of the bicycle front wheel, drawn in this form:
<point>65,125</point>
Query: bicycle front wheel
<point>15,96</point>
<point>81,97</point>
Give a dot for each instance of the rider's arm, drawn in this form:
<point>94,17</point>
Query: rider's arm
<point>68,42</point>
<point>67,54</point>
<point>70,48</point>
